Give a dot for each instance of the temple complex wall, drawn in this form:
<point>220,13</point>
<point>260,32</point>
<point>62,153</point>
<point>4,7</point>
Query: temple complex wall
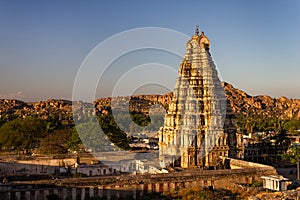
<point>133,186</point>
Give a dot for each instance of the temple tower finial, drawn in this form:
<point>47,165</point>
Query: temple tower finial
<point>197,30</point>
<point>195,119</point>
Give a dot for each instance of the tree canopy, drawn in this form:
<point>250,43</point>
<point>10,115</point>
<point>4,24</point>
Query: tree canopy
<point>117,136</point>
<point>293,155</point>
<point>249,124</point>
<point>92,136</point>
<point>56,142</point>
<point>22,134</point>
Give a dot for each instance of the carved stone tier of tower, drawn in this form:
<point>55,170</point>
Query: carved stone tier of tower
<point>193,132</point>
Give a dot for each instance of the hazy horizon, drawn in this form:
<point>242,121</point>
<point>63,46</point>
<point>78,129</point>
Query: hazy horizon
<point>144,92</point>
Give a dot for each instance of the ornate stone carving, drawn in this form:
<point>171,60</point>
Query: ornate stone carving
<point>193,133</point>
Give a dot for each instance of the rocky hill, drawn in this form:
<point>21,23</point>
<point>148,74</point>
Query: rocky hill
<point>240,102</point>
<point>50,109</point>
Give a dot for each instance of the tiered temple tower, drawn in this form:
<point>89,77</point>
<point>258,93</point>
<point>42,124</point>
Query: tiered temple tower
<point>193,132</point>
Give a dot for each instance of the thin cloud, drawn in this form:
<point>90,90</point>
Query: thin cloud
<point>17,95</point>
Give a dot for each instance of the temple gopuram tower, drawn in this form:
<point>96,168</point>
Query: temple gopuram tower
<point>193,132</point>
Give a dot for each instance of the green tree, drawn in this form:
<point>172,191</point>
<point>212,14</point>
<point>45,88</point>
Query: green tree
<point>74,143</point>
<point>117,136</point>
<point>140,118</point>
<point>56,142</point>
<point>22,134</point>
<point>292,126</point>
<point>249,124</point>
<point>93,137</point>
<point>88,134</point>
<point>2,121</point>
<point>53,124</point>
<point>293,155</point>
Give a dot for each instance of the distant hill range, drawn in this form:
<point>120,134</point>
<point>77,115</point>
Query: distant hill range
<point>240,102</point>
<point>261,105</point>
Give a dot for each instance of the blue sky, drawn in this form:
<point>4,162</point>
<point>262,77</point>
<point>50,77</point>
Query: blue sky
<point>255,44</point>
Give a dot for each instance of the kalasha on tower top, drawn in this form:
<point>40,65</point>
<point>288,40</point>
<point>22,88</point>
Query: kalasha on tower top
<point>193,132</point>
